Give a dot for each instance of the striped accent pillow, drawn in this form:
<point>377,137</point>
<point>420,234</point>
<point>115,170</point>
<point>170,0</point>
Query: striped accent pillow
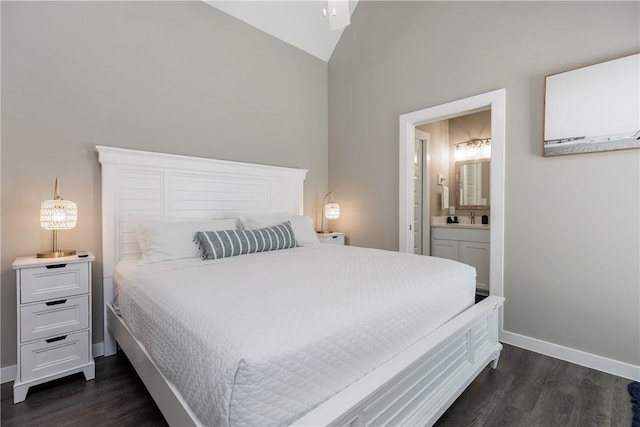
<point>222,244</point>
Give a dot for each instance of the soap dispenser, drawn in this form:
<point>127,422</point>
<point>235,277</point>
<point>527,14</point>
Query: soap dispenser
<point>485,219</point>
<point>452,218</point>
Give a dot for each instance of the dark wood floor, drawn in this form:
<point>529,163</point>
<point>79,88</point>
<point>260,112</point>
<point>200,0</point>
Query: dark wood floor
<point>527,389</point>
<point>116,397</point>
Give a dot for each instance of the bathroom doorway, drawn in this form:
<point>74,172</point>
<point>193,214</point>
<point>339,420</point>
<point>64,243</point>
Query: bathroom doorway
<point>491,101</point>
<point>460,159</point>
<point>459,195</point>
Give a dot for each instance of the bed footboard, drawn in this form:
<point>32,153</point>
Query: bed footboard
<point>418,385</point>
<point>414,388</point>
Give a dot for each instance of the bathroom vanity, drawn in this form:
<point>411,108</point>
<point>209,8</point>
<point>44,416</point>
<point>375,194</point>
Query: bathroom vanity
<point>467,243</point>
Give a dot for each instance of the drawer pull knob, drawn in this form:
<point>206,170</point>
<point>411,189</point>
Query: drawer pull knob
<point>56,266</point>
<point>50,340</point>
<point>60,301</point>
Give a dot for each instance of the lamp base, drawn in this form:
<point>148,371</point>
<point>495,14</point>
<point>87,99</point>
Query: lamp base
<point>56,254</point>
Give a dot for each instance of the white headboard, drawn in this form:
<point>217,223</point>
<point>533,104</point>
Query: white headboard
<point>158,184</point>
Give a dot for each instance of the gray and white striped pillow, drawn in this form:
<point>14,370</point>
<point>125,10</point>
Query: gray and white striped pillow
<point>222,244</point>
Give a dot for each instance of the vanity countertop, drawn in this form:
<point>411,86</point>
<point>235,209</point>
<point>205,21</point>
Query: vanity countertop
<point>462,225</point>
<point>441,221</point>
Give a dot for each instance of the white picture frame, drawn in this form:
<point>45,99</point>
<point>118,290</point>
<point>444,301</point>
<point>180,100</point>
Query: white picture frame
<point>593,108</point>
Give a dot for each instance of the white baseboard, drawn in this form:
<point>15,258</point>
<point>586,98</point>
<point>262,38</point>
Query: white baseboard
<point>8,373</point>
<point>600,363</point>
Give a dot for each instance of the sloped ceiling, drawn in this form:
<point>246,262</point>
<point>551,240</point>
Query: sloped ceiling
<point>297,22</point>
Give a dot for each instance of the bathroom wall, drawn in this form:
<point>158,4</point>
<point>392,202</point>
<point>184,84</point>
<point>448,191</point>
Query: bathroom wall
<point>444,135</point>
<point>464,128</point>
<point>439,162</point>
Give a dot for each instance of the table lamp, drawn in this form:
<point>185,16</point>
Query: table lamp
<point>57,214</point>
<point>331,210</point>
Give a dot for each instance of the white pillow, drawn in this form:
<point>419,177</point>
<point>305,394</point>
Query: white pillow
<point>165,239</point>
<point>302,225</point>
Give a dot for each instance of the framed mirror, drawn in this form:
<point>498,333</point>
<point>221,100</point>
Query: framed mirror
<point>473,184</point>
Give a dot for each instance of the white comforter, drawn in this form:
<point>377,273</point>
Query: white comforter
<point>262,339</point>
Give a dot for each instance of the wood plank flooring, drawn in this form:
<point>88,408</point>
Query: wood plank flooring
<point>116,397</point>
<point>527,389</point>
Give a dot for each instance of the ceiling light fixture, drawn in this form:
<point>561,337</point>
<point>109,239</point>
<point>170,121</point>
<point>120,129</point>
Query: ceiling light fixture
<point>338,13</point>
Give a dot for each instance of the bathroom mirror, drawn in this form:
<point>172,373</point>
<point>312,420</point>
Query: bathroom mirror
<point>473,183</point>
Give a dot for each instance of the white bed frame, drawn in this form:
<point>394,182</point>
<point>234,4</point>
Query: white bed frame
<point>414,388</point>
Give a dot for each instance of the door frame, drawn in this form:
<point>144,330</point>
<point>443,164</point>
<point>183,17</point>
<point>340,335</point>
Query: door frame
<point>425,137</point>
<point>496,102</point>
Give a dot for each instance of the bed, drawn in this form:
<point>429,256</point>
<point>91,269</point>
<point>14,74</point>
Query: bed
<point>361,351</point>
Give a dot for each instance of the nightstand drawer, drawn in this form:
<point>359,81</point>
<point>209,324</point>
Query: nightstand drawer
<point>54,318</point>
<point>53,281</point>
<point>42,358</point>
<point>331,238</point>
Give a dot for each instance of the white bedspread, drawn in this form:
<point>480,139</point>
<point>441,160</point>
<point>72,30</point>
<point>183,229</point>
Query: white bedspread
<point>261,339</point>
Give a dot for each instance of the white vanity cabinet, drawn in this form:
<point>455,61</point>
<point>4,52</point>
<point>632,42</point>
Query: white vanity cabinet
<point>467,245</point>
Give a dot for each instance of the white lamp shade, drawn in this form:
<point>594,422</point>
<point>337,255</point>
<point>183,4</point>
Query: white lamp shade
<point>332,210</point>
<point>58,214</point>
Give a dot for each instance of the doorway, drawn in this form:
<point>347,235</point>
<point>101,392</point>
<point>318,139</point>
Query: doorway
<point>495,101</point>
<point>456,182</point>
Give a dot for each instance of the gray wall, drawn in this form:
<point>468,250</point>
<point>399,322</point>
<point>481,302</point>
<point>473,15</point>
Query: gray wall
<point>572,228</point>
<point>178,77</point>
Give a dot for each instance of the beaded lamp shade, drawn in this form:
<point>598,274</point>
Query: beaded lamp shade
<point>57,214</point>
<point>332,211</point>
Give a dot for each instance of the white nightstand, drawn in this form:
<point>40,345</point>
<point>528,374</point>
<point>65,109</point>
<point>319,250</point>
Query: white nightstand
<point>333,238</point>
<point>54,320</point>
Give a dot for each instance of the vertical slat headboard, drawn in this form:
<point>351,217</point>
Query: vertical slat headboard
<point>169,185</point>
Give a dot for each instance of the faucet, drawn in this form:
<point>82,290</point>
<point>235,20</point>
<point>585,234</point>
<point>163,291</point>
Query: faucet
<point>472,217</point>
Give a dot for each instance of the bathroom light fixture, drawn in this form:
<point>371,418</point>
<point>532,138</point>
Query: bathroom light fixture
<point>330,210</point>
<point>338,13</point>
<point>477,148</point>
<point>57,214</point>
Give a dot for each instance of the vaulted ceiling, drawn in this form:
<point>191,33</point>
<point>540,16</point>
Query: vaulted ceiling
<point>298,22</point>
